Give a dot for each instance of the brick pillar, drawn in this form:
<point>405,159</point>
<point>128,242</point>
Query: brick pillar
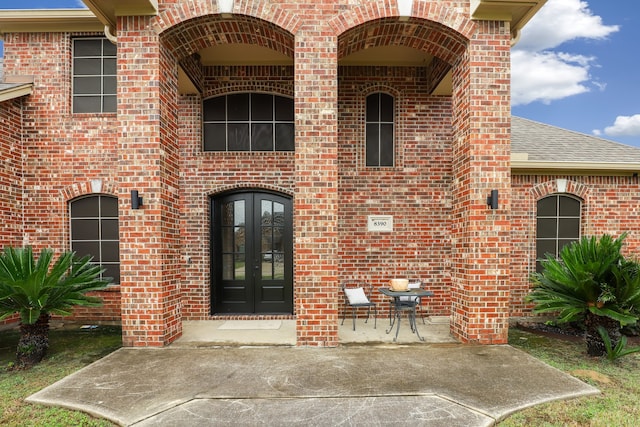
<point>316,200</point>
<point>481,244</point>
<point>148,158</point>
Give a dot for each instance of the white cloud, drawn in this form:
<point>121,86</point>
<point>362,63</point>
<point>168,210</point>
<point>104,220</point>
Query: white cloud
<point>540,74</point>
<point>548,76</point>
<point>624,126</point>
<point>560,21</point>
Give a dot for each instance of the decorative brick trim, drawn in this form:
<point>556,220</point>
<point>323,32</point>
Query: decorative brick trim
<point>94,186</point>
<point>443,21</point>
<point>262,9</point>
<point>441,41</point>
<point>551,187</point>
<point>250,186</point>
<point>222,80</point>
<point>182,21</point>
<point>185,39</point>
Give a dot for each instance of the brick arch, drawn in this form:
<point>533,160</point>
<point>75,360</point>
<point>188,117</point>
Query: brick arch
<point>263,9</point>
<point>249,186</point>
<point>255,85</point>
<point>549,187</point>
<point>379,87</point>
<point>94,186</point>
<point>432,28</point>
<point>186,29</point>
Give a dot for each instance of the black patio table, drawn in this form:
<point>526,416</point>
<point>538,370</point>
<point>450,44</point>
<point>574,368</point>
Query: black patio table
<point>408,304</point>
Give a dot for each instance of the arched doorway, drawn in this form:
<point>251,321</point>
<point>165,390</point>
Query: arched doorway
<point>252,253</point>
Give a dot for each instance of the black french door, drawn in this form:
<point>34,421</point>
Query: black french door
<point>252,253</point>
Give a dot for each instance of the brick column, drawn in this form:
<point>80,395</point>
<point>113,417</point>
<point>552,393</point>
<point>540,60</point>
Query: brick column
<point>316,200</point>
<point>481,244</point>
<point>147,162</point>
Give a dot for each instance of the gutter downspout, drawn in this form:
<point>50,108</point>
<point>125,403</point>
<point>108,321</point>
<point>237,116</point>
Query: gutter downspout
<point>109,35</point>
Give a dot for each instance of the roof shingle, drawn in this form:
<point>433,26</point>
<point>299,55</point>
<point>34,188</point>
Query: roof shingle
<point>546,143</point>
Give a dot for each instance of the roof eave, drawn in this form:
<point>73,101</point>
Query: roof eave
<point>523,167</point>
<point>517,12</point>
<point>107,11</point>
<point>48,21</point>
<point>16,92</point>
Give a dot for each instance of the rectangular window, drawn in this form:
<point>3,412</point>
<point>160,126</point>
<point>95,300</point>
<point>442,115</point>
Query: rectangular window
<point>94,76</point>
<point>248,122</point>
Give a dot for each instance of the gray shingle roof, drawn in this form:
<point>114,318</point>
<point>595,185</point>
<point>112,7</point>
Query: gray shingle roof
<point>546,143</point>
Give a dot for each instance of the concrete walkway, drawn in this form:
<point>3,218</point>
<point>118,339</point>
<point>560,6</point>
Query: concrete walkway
<point>203,382</point>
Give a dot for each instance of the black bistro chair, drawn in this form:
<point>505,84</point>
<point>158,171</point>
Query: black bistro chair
<point>417,301</point>
<point>357,294</point>
<point>407,303</point>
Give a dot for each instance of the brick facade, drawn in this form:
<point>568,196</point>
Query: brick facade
<point>609,206</point>
<point>10,177</point>
<point>11,173</point>
<point>450,152</point>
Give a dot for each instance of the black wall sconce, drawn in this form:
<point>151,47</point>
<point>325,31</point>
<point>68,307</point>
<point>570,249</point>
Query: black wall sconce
<point>136,201</point>
<point>492,200</point>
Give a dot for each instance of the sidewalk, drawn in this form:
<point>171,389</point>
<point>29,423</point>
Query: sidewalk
<point>433,384</point>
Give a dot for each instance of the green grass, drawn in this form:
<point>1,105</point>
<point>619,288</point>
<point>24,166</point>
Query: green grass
<point>69,350</point>
<point>619,382</point>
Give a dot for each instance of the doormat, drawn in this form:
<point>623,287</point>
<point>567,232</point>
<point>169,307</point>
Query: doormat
<point>251,324</point>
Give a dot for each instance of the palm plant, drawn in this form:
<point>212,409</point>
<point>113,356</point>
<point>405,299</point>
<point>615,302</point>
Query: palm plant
<point>37,289</point>
<point>593,283</point>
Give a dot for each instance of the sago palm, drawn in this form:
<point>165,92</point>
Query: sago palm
<point>592,282</point>
<point>37,289</point>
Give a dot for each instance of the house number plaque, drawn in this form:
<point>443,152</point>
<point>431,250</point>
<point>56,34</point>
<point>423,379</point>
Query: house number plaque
<point>380,223</point>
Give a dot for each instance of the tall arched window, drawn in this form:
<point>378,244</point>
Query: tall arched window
<point>380,117</point>
<point>558,224</point>
<point>94,231</point>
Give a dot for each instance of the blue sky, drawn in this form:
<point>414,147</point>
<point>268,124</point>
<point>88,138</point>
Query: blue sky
<point>575,66</point>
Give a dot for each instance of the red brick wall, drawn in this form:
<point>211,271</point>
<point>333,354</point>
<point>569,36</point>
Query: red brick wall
<point>205,174</point>
<point>148,162</point>
<point>62,153</point>
<point>450,154</point>
<point>319,29</point>
<point>10,173</point>
<point>416,191</point>
<point>609,206</point>
<point>481,154</point>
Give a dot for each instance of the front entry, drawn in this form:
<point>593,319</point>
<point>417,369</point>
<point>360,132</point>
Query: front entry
<point>252,254</point>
